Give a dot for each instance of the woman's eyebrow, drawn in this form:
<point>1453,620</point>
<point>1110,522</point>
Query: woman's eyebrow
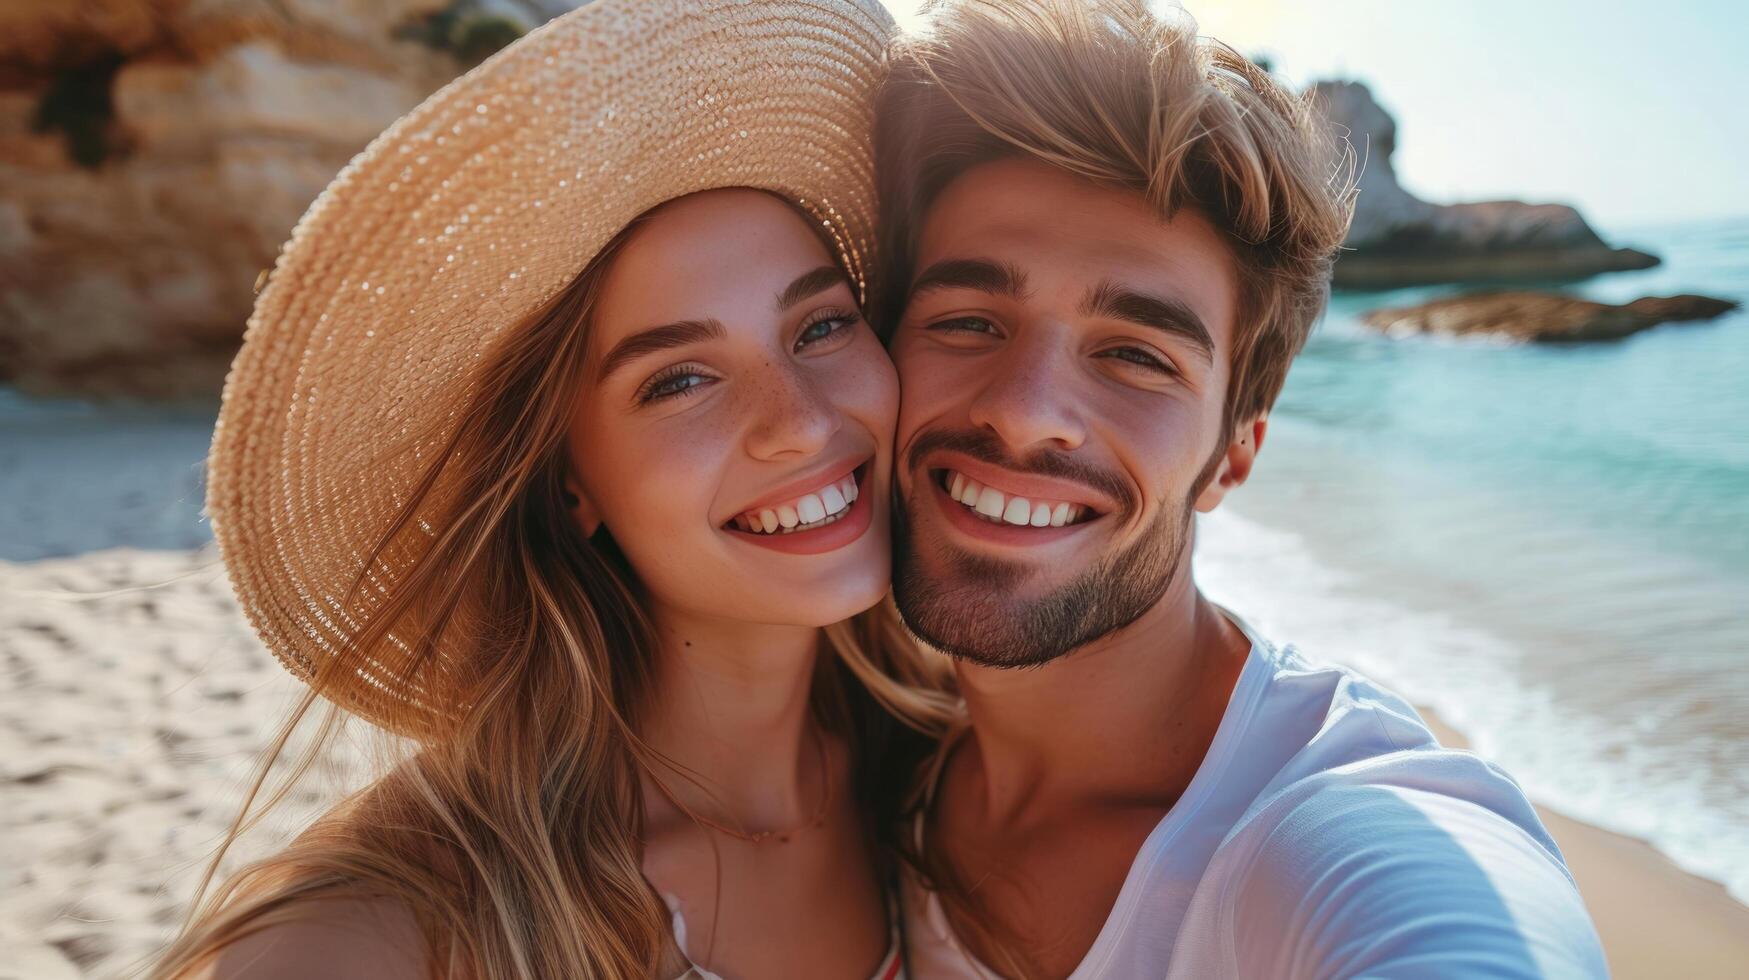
<point>808,283</point>
<point>666,337</point>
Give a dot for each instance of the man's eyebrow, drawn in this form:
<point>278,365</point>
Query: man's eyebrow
<point>983,275</point>
<point>808,283</point>
<point>665,337</point>
<point>1108,299</point>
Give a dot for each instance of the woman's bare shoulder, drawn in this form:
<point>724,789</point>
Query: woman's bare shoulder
<point>334,938</point>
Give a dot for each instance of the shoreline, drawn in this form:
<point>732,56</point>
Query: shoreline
<point>1656,920</point>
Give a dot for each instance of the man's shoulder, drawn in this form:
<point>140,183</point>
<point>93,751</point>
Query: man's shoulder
<point>1373,843</point>
<point>1303,715</point>
<point>1360,755</point>
<point>1399,870</point>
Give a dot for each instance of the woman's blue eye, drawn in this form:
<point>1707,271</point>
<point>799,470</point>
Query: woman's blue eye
<point>679,383</point>
<point>825,327</point>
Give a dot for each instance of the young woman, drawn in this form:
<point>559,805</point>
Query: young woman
<point>558,445</point>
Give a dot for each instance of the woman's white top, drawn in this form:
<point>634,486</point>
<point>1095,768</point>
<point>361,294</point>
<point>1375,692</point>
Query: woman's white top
<point>1326,834</point>
<point>892,965</point>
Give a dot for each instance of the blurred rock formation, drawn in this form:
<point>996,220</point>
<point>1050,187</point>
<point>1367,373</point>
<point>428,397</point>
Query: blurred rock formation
<point>154,155</point>
<point>1400,240</point>
<point>1546,318</point>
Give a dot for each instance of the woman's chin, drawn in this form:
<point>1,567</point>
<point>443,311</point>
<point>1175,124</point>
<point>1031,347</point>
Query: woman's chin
<point>825,601</point>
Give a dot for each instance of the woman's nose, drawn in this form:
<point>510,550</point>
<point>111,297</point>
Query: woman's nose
<point>792,417</point>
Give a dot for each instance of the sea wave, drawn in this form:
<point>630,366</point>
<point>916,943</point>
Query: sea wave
<point>1599,770</point>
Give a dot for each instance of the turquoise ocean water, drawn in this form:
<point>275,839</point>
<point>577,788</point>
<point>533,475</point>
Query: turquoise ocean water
<point>1550,546</point>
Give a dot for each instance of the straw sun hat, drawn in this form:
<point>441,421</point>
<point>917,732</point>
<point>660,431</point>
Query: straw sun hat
<point>460,220</point>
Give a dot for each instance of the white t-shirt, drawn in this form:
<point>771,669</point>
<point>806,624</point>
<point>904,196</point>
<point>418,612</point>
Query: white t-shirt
<point>1326,834</point>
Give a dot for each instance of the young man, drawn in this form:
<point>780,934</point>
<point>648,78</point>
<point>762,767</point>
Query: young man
<point>1107,240</point>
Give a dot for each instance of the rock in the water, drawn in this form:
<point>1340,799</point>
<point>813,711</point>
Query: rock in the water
<point>1534,317</point>
<point>1399,239</point>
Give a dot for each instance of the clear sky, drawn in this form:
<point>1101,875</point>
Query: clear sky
<point>1633,112</point>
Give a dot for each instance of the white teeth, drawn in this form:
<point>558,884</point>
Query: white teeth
<point>833,499</point>
<point>803,514</point>
<point>991,502</point>
<point>1000,508</point>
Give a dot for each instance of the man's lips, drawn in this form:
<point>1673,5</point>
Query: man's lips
<point>999,507</point>
<point>1029,486</point>
<point>984,528</point>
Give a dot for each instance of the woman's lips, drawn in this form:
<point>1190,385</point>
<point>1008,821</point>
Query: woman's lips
<point>803,512</point>
<point>829,533</point>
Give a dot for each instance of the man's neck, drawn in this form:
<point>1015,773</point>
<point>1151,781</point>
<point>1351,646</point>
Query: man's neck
<point>1125,720</point>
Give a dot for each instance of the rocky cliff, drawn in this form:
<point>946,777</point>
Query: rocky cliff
<point>1399,239</point>
<point>154,154</point>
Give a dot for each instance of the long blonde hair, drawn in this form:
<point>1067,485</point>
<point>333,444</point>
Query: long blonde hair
<point>512,835</point>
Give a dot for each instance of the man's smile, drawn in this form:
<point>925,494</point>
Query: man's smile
<point>994,505</point>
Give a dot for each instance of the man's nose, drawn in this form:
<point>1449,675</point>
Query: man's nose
<point>791,418</point>
<point>1031,398</point>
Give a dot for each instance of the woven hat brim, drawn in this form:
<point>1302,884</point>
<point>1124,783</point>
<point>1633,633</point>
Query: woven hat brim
<point>455,224</point>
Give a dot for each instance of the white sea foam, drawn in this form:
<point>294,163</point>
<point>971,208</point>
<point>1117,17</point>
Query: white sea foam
<point>1600,771</point>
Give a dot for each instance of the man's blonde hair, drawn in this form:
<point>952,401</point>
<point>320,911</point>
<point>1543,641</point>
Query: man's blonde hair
<point>1115,92</point>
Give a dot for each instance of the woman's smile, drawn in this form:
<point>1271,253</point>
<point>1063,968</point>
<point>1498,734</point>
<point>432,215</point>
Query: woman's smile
<point>826,519</point>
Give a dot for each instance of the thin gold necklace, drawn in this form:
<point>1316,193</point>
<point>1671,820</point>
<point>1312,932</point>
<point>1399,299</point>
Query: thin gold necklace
<point>781,836</point>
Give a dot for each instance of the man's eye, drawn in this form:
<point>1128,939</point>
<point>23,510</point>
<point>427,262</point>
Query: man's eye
<point>825,327</point>
<point>1137,356</point>
<point>963,324</point>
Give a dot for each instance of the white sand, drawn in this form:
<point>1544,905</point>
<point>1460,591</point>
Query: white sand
<point>129,725</point>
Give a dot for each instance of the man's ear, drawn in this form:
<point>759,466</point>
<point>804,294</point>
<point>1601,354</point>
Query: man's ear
<point>1236,462</point>
<point>582,509</point>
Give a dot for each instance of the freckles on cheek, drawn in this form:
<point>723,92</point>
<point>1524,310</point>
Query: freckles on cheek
<point>867,388</point>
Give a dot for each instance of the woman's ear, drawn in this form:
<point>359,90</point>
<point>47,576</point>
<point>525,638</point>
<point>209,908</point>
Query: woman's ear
<point>582,510</point>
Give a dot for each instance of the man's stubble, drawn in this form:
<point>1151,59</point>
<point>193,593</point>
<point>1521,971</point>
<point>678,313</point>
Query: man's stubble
<point>973,612</point>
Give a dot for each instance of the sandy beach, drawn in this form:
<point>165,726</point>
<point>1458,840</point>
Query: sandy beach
<point>1656,920</point>
<point>129,721</point>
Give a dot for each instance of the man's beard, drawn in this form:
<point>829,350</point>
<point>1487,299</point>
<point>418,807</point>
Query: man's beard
<point>972,609</point>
